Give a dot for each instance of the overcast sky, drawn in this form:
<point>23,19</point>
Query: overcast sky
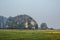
<point>47,11</point>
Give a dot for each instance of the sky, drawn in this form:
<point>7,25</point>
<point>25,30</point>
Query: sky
<point>42,11</point>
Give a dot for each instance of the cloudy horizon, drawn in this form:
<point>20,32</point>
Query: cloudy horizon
<point>47,11</point>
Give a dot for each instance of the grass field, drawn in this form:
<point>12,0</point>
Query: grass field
<point>29,34</point>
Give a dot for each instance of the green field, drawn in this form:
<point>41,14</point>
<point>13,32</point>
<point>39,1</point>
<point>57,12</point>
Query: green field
<point>29,34</point>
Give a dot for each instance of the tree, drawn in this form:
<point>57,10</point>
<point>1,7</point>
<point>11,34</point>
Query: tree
<point>44,26</point>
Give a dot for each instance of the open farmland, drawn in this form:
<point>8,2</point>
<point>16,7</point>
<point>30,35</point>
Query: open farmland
<point>29,34</point>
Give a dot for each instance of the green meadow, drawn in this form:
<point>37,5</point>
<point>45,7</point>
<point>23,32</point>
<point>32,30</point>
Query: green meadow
<point>29,34</point>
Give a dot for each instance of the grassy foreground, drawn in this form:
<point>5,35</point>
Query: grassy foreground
<point>29,34</point>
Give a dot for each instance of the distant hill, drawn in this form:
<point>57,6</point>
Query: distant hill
<point>21,22</point>
<point>3,21</point>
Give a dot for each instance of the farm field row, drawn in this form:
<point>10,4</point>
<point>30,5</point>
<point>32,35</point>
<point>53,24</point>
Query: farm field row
<point>29,34</point>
